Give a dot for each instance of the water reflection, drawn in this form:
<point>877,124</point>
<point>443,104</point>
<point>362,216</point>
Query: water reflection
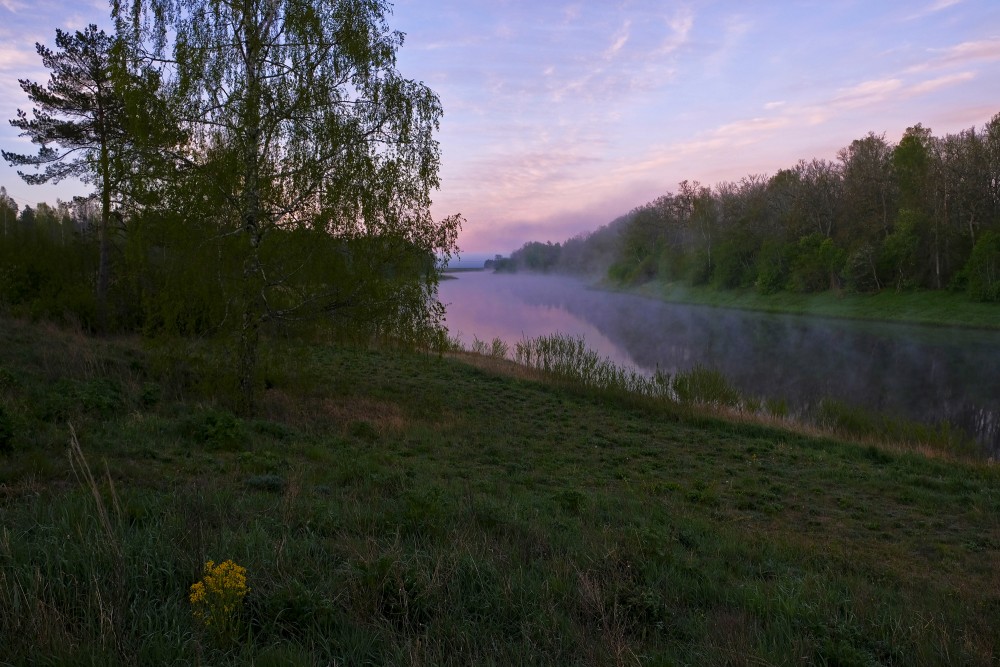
<point>924,373</point>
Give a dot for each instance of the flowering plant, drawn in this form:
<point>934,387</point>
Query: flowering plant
<point>216,599</point>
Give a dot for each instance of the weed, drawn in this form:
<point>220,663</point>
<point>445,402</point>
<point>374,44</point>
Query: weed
<point>267,482</point>
<point>216,429</point>
<point>499,349</point>
<point>363,431</point>
<point>776,407</point>
<point>569,358</point>
<point>705,386</point>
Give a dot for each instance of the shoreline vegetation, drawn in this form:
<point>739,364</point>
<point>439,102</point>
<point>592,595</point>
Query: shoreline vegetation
<point>921,308</point>
<point>706,391</point>
<point>925,308</point>
<point>393,507</point>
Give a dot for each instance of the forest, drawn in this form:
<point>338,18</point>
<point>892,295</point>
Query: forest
<point>923,213</point>
<point>256,168</point>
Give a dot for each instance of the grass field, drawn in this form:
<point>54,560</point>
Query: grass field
<point>399,508</point>
<point>940,308</point>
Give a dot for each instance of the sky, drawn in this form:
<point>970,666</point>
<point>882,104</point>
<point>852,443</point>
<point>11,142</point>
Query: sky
<point>560,116</point>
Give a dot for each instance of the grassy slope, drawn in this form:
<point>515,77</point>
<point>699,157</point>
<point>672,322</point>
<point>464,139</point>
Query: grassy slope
<point>923,307</point>
<point>396,509</point>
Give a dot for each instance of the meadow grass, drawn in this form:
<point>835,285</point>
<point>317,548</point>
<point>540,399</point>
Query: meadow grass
<point>396,508</point>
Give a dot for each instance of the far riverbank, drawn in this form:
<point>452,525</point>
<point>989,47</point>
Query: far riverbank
<point>919,307</point>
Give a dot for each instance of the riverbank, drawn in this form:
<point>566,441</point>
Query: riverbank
<point>935,308</point>
<point>398,508</point>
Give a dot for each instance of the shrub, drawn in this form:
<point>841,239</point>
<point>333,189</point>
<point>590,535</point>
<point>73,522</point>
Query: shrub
<point>901,256</point>
<point>499,348</point>
<point>982,271</point>
<point>772,268</point>
<point>216,429</point>
<point>817,263</point>
<point>861,269</point>
<point>699,269</point>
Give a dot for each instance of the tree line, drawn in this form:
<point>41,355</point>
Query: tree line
<point>923,213</point>
<point>255,166</point>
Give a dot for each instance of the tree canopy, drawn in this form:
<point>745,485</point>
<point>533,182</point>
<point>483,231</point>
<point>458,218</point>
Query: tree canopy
<point>920,214</point>
<point>295,180</point>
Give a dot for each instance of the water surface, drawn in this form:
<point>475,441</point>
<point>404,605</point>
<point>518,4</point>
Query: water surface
<point>930,374</point>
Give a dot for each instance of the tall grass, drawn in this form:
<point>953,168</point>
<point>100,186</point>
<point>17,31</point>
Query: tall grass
<point>847,420</point>
<point>569,359</point>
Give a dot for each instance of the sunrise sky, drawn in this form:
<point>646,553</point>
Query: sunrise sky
<point>560,116</point>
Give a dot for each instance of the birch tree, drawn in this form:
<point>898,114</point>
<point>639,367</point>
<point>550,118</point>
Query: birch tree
<point>323,139</point>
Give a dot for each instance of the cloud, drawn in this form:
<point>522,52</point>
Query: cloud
<point>571,13</point>
<point>13,6</point>
<point>962,54</point>
<point>941,82</point>
<point>723,140</point>
<point>680,25</point>
<point>620,40</point>
<point>639,59</point>
<point>933,8</point>
<point>750,129</point>
<point>18,60</point>
<point>866,93</point>
<point>735,28</point>
<point>986,49</point>
<point>503,31</point>
<point>595,102</point>
<point>527,180</point>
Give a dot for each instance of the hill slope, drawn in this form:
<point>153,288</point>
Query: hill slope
<point>403,509</point>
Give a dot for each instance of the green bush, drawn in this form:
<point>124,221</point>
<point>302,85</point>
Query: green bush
<point>901,257</point>
<point>982,271</point>
<point>699,269</point>
<point>860,271</point>
<point>216,429</point>
<point>734,265</point>
<point>817,264</point>
<point>772,268</point>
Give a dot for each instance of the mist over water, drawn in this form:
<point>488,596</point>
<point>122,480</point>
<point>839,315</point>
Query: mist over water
<point>928,374</point>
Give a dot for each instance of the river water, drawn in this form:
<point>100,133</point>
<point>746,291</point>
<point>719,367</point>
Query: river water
<point>928,374</point>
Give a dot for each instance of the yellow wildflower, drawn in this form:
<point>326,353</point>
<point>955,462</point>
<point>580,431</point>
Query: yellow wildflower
<point>216,598</point>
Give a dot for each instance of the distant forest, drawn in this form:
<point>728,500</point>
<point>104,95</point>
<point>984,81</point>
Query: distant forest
<point>920,214</point>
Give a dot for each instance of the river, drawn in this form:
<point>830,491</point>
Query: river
<point>927,374</point>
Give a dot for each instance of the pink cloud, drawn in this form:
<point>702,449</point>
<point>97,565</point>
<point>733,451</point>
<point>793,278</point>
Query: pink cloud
<point>867,93</point>
<point>961,54</point>
<point>941,82</point>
